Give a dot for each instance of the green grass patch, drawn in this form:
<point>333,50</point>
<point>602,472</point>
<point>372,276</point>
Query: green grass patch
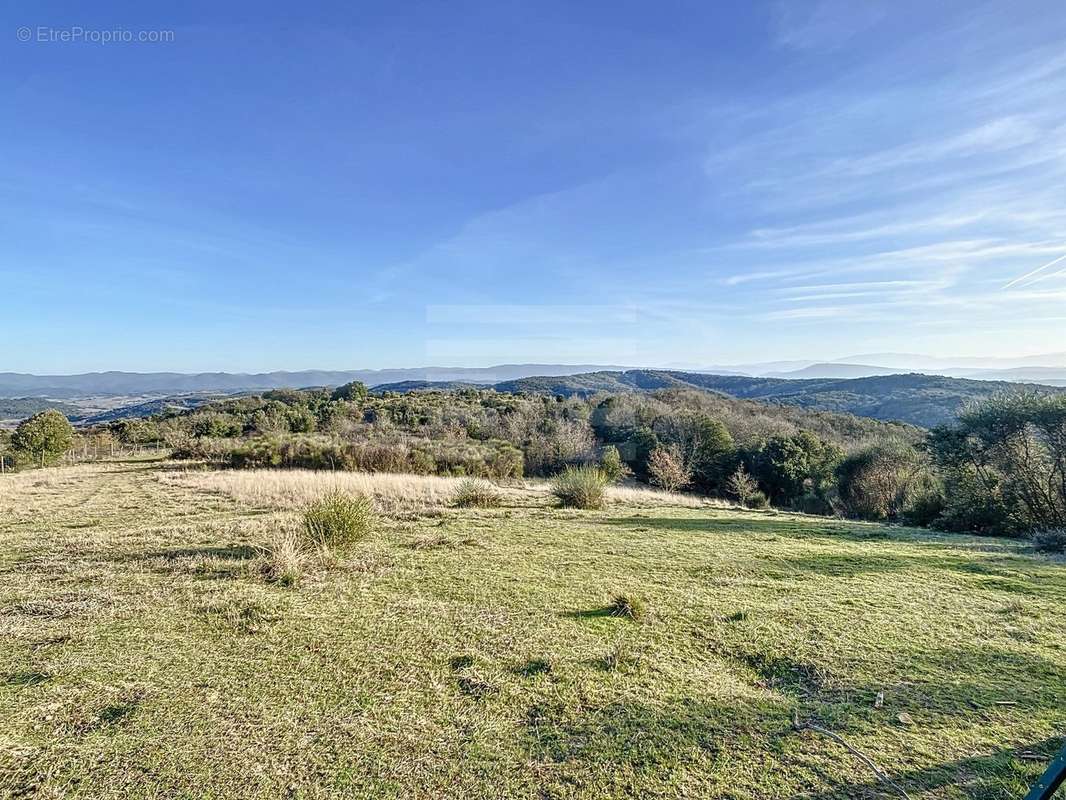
<point>146,656</point>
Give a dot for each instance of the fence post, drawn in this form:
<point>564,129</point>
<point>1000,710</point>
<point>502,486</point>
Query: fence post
<point>1051,780</point>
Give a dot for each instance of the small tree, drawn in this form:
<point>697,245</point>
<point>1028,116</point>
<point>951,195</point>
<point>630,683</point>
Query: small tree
<point>667,469</point>
<point>354,392</point>
<point>789,467</point>
<point>742,486</point>
<point>44,436</point>
<point>611,464</point>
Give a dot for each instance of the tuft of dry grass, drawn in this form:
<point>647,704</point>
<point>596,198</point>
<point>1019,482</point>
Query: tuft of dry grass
<point>641,496</point>
<point>621,654</point>
<point>628,606</point>
<point>285,557</point>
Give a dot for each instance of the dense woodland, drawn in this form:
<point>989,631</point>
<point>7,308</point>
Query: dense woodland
<point>924,400</point>
<point>999,469</point>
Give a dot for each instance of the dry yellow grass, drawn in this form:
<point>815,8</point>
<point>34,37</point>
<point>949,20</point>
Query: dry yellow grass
<point>638,496</point>
<point>394,493</point>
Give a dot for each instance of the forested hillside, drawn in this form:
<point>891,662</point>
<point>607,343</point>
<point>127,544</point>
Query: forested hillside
<point>924,400</point>
<point>17,408</point>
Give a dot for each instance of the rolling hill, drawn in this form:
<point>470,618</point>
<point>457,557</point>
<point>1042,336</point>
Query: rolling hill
<point>924,400</point>
<point>21,407</point>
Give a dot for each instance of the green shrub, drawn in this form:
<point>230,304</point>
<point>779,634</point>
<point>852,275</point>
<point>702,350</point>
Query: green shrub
<point>758,499</point>
<point>337,519</point>
<point>883,481</point>
<point>611,464</point>
<point>45,437</point>
<point>925,509</point>
<point>1051,541</point>
<point>257,453</point>
<point>580,487</point>
<point>1003,464</point>
<point>476,493</point>
<point>788,467</point>
<point>815,504</point>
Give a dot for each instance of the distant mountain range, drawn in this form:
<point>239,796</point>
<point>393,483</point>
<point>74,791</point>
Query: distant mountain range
<point>13,384</point>
<point>1055,376</point>
<point>1049,368</point>
<point>923,400</point>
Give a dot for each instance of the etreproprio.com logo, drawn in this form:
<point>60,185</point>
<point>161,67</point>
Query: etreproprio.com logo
<point>78,34</point>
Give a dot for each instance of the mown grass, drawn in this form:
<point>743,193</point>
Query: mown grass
<point>477,653</point>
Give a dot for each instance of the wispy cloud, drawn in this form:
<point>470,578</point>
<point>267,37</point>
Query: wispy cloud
<point>1031,277</point>
<point>993,136</point>
<point>824,24</point>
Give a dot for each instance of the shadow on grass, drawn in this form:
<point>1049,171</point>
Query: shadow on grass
<point>809,527</point>
<point>575,742</point>
<point>26,678</point>
<point>759,525</point>
<point>235,552</point>
<point>591,613</point>
<point>994,680</point>
<point>995,565</point>
<point>1000,775</point>
<point>638,736</point>
<point>205,561</point>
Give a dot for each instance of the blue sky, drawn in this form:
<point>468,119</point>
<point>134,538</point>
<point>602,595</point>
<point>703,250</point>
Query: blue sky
<point>398,184</point>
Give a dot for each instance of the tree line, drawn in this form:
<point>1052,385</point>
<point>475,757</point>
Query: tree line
<point>1000,468</point>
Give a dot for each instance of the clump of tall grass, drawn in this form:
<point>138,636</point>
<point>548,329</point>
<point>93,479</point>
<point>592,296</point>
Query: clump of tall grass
<point>628,606</point>
<point>581,487</point>
<point>337,519</point>
<point>476,493</point>
<point>285,557</point>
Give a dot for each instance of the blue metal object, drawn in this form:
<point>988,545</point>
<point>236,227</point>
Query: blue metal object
<point>1051,780</point>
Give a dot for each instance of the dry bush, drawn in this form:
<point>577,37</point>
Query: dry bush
<point>667,469</point>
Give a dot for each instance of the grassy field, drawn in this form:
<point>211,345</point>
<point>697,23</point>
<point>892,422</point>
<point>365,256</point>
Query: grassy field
<point>473,654</point>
